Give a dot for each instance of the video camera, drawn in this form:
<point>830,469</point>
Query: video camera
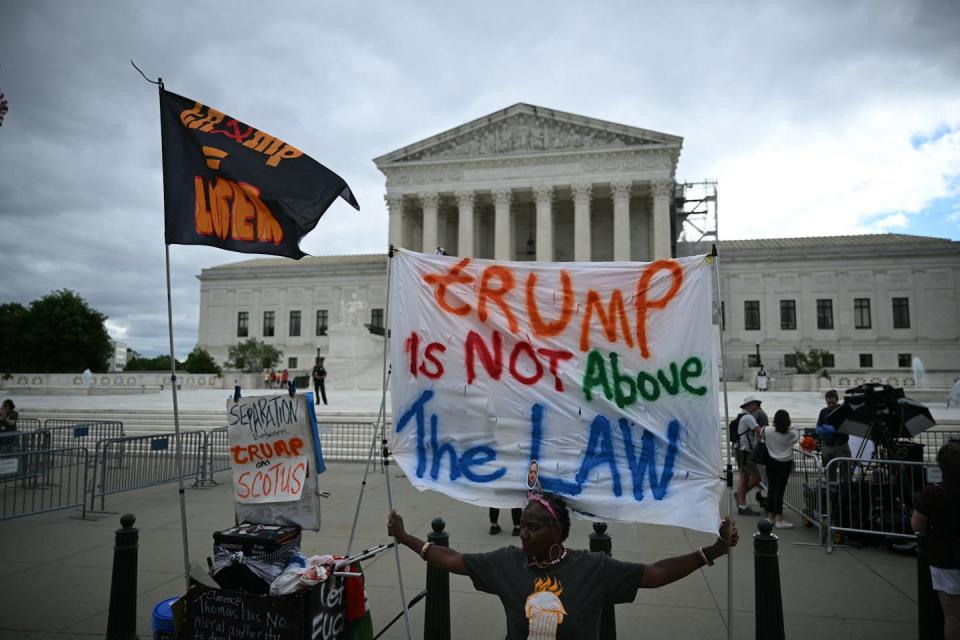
<point>881,413</point>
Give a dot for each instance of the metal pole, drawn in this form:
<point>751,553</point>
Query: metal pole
<point>436,618</point>
<point>726,420</point>
<point>600,541</point>
<point>176,429</point>
<point>383,441</point>
<point>122,615</point>
<point>768,601</point>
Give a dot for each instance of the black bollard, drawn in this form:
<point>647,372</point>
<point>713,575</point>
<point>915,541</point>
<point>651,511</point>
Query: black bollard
<point>928,603</point>
<point>122,616</point>
<point>436,618</point>
<point>600,541</point>
<point>766,584</point>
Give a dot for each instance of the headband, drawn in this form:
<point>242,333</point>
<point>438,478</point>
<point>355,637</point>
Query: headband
<point>536,497</point>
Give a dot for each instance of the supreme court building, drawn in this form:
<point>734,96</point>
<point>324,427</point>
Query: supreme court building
<point>528,183</point>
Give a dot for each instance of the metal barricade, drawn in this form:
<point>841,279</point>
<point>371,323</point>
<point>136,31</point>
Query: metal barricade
<point>804,494</point>
<point>31,449</point>
<point>215,456</point>
<point>932,440</point>
<point>347,441</point>
<point>64,472</point>
<point>872,497</point>
<point>135,462</point>
<point>71,433</point>
<point>28,424</point>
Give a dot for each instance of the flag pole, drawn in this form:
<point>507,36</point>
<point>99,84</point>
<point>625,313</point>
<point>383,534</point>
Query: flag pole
<point>383,431</point>
<point>726,421</point>
<point>178,454</point>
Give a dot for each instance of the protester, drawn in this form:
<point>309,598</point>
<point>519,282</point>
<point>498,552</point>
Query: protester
<point>283,379</point>
<point>548,591</point>
<point>937,512</point>
<point>762,379</point>
<point>495,517</point>
<point>747,432</point>
<point>8,416</point>
<point>832,443</point>
<point>273,378</point>
<point>780,441</point>
<point>953,400</point>
<point>266,379</point>
<point>319,375</point>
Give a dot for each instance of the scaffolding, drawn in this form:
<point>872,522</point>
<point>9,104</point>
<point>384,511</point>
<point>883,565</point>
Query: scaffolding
<point>694,220</point>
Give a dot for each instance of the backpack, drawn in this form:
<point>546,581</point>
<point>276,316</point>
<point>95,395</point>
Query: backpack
<point>733,435</point>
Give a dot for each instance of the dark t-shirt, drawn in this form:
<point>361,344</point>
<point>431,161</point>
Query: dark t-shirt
<point>942,508</point>
<point>563,601</point>
<point>832,439</point>
<point>319,373</point>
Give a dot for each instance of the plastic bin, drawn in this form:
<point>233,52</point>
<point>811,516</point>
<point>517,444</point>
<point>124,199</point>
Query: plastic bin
<point>163,628</point>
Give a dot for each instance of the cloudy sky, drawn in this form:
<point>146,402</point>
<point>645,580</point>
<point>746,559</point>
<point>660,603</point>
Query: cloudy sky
<point>816,119</point>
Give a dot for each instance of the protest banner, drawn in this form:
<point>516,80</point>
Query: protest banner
<point>275,458</point>
<point>601,373</point>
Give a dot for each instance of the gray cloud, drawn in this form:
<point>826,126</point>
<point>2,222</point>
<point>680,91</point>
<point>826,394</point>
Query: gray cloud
<point>81,202</point>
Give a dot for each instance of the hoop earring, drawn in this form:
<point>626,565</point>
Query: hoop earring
<point>560,550</point>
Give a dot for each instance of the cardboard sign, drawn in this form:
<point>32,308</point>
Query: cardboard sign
<point>601,373</point>
<point>217,614</point>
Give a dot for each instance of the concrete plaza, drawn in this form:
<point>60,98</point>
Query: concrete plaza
<point>56,570</point>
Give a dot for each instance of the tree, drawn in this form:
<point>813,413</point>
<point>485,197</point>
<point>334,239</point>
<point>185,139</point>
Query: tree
<point>812,361</point>
<point>253,356</point>
<point>157,363</point>
<point>13,324</point>
<point>200,361</point>
<point>60,334</point>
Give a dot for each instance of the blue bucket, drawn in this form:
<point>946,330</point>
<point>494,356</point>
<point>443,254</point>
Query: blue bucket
<point>163,628</point>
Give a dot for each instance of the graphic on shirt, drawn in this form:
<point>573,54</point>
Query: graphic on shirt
<point>544,609</point>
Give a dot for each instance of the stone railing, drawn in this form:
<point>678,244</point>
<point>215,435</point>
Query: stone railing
<point>126,379</point>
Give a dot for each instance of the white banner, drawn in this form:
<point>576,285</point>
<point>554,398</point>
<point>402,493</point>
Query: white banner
<point>601,373</point>
<point>270,447</point>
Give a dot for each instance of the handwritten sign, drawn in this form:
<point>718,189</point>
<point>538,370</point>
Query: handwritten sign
<point>215,614</point>
<point>602,373</point>
<point>270,448</point>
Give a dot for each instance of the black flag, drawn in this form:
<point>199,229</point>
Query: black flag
<point>229,185</point>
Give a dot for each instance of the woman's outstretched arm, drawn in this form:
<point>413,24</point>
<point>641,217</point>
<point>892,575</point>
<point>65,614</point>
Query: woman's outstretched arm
<point>670,570</point>
<point>436,556</point>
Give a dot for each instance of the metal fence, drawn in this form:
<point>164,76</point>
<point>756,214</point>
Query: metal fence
<point>872,497</point>
<point>804,492</point>
<point>33,481</point>
<point>134,462</point>
<point>215,456</point>
<point>932,440</point>
<point>28,424</point>
<point>348,441</point>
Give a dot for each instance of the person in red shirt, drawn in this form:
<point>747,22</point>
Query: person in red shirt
<point>284,378</point>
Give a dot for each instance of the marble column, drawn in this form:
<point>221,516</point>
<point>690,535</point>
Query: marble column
<point>662,193</point>
<point>621,220</point>
<point>395,214</point>
<point>581,222</point>
<point>430,202</point>
<point>465,224</point>
<point>544,198</point>
<point>502,225</point>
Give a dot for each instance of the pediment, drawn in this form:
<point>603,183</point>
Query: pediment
<point>525,129</point>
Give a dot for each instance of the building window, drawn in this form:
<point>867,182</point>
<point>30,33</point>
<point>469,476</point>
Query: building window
<point>824,313</point>
<point>904,360</point>
<point>243,324</point>
<point>866,360</point>
<point>753,360</point>
<point>828,361</point>
<point>790,360</point>
<point>323,317</point>
<point>268,323</point>
<point>751,315</point>
<point>861,314</point>
<point>901,313</point>
<point>376,317</point>
<point>294,323</point>
<point>291,363</point>
<point>788,315</point>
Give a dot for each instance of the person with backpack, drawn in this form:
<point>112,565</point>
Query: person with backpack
<point>937,512</point>
<point>747,430</point>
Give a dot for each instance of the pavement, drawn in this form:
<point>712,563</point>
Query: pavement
<point>55,570</point>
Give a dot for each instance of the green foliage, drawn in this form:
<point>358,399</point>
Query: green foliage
<point>812,361</point>
<point>58,333</point>
<point>253,356</point>
<point>159,363</point>
<point>200,361</point>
